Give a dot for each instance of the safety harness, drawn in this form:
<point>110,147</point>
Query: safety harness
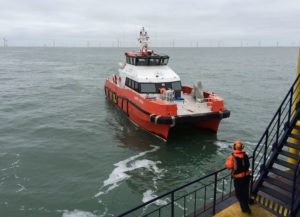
<point>241,166</point>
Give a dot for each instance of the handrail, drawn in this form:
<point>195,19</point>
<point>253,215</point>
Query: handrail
<point>168,193</point>
<point>273,137</point>
<point>172,192</point>
<point>286,96</point>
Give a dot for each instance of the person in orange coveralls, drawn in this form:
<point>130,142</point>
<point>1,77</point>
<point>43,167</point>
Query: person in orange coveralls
<point>239,164</point>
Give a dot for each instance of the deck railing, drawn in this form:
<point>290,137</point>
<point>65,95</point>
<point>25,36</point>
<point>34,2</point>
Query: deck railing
<point>275,136</point>
<point>192,199</point>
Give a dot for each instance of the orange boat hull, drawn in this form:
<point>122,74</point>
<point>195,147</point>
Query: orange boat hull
<point>144,112</point>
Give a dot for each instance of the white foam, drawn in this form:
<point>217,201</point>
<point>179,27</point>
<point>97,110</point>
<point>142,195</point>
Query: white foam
<point>251,143</point>
<point>149,195</point>
<point>119,173</point>
<point>222,144</point>
<point>21,188</point>
<point>77,213</point>
<point>15,164</point>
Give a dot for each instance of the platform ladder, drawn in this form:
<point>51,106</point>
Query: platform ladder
<point>275,167</point>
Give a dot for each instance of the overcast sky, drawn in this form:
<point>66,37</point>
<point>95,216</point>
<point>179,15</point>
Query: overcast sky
<point>165,20</point>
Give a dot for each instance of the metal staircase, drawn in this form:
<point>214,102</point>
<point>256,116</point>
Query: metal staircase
<point>275,182</point>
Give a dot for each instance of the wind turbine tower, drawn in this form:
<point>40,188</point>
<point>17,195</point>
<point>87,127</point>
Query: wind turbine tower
<point>5,42</point>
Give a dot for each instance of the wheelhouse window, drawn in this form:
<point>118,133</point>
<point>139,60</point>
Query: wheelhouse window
<point>152,59</point>
<point>164,61</point>
<point>153,87</point>
<point>136,86</point>
<point>148,88</point>
<point>154,62</point>
<point>141,62</point>
<point>132,84</point>
<point>176,85</point>
<point>133,61</point>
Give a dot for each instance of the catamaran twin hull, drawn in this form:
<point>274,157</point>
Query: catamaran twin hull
<point>158,116</point>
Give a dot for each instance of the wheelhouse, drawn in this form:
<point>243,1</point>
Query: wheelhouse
<point>146,59</point>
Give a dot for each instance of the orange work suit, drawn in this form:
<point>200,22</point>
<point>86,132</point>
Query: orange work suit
<point>241,179</point>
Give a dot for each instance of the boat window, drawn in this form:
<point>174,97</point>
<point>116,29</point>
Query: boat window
<point>141,62</point>
<point>136,86</point>
<point>164,61</point>
<point>176,85</point>
<point>148,88</point>
<point>153,62</point>
<point>133,61</point>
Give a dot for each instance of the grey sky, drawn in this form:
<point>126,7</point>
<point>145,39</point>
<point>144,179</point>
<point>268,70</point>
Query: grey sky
<point>205,21</point>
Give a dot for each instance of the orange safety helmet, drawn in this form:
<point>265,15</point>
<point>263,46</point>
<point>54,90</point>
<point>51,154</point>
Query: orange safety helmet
<point>238,145</point>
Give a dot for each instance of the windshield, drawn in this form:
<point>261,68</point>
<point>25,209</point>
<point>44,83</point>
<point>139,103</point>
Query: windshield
<point>176,85</point>
<point>148,88</point>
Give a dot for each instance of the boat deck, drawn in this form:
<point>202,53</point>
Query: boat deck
<point>190,106</point>
<point>186,106</point>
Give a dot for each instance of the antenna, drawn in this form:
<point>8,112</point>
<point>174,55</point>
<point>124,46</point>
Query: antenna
<point>143,39</point>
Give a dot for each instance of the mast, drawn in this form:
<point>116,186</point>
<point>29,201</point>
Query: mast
<point>143,39</point>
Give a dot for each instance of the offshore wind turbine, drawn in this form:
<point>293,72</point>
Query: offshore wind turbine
<point>4,42</point>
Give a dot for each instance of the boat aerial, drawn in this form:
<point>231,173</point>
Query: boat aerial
<point>152,96</point>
